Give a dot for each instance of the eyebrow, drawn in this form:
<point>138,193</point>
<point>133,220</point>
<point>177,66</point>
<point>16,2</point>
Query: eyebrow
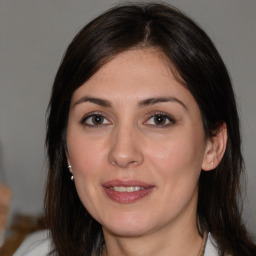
<point>98,101</point>
<point>143,103</point>
<point>153,101</point>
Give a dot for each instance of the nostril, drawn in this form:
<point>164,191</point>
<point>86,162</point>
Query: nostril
<point>124,164</point>
<point>132,163</point>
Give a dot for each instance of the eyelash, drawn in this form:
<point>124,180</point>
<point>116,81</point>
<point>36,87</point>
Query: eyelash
<point>166,117</point>
<point>91,115</point>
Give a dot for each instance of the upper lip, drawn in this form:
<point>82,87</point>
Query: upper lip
<point>126,183</point>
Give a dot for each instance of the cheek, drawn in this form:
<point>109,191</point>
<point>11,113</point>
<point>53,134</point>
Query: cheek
<point>85,155</point>
<point>86,160</point>
<point>178,162</point>
<point>181,154</point>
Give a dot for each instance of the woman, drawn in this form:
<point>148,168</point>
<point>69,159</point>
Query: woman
<point>143,141</point>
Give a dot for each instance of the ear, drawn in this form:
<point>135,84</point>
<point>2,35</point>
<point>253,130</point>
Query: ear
<point>215,148</point>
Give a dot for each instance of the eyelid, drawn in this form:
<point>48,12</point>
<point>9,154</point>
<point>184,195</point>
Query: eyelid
<point>161,113</point>
<point>91,114</point>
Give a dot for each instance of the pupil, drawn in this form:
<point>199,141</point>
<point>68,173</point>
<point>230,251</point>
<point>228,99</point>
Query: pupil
<point>160,119</point>
<point>97,119</point>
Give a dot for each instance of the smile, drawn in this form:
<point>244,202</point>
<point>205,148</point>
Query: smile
<point>127,189</point>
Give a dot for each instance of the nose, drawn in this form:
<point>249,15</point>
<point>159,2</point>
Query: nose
<point>126,149</point>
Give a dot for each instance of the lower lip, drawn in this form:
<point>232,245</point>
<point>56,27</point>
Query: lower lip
<point>127,197</point>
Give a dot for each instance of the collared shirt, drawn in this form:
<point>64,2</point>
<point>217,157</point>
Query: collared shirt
<point>39,244</point>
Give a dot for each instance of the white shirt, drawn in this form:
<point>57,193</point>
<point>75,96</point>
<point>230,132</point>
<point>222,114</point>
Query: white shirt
<point>36,244</point>
<point>39,244</point>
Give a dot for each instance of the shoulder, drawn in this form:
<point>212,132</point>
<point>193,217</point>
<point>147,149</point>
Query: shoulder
<point>36,244</point>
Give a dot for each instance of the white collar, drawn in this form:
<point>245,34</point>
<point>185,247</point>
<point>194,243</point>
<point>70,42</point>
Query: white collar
<point>210,247</point>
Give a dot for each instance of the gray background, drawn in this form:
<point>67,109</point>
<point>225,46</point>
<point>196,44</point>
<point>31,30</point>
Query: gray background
<point>33,37</point>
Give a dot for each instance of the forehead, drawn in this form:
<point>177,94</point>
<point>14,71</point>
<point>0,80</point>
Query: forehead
<point>139,60</point>
<point>135,71</point>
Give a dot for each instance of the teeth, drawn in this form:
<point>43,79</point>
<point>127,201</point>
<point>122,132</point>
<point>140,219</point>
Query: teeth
<point>127,189</point>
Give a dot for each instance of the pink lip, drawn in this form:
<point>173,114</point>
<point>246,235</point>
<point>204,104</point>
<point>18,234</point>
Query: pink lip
<point>126,197</point>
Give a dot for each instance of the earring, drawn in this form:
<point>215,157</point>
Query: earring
<point>70,169</point>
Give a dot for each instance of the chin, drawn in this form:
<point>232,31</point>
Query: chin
<point>125,231</point>
<point>127,227</point>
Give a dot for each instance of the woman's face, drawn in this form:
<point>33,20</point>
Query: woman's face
<point>136,145</point>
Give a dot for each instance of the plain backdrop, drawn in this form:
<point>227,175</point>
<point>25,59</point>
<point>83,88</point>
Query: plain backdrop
<point>33,37</point>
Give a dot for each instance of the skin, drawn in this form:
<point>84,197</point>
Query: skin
<point>130,145</point>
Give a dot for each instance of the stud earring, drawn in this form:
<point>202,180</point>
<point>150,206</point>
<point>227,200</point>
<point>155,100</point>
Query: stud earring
<point>70,169</point>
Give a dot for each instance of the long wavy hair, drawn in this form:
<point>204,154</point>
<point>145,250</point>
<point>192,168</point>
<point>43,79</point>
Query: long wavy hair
<point>187,47</point>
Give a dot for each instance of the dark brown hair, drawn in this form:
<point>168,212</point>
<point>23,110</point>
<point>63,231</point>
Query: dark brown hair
<point>198,63</point>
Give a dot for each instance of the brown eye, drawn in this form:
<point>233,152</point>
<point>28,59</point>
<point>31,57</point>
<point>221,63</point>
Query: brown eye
<point>95,120</point>
<point>160,120</point>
